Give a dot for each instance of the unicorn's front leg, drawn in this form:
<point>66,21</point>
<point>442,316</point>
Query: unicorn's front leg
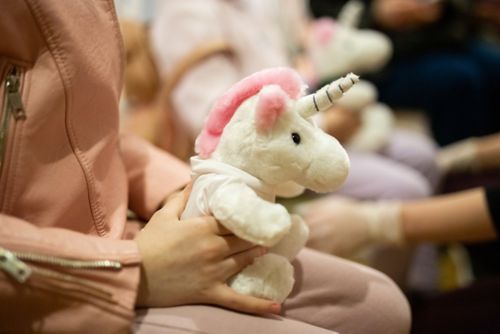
<point>239,209</point>
<point>294,241</point>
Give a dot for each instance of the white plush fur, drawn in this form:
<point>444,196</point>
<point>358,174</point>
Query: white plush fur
<point>275,284</point>
<point>318,163</point>
<point>358,97</point>
<point>348,48</point>
<point>377,120</point>
<point>254,161</point>
<point>377,124</point>
<point>363,51</point>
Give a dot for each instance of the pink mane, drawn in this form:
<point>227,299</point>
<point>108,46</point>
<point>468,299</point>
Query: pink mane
<point>225,107</point>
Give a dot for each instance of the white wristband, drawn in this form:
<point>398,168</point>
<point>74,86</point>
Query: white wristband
<point>459,157</point>
<point>384,220</point>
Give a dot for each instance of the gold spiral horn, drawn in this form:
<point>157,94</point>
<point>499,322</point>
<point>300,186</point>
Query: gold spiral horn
<point>324,98</point>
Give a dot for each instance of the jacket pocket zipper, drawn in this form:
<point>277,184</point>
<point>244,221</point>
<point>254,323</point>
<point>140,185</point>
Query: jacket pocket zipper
<point>13,266</point>
<point>12,263</point>
<point>13,106</point>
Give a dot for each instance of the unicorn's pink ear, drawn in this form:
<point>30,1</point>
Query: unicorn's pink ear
<point>271,104</point>
<point>323,30</point>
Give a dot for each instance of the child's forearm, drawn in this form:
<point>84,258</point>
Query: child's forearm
<point>488,152</point>
<point>459,217</point>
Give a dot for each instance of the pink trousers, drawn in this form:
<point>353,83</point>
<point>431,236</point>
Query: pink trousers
<point>330,295</point>
<point>405,169</point>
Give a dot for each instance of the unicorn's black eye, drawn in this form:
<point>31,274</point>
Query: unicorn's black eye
<point>296,138</point>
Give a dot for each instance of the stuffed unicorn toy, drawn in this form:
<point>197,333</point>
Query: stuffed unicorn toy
<point>259,141</point>
<point>336,45</point>
<point>377,119</point>
<point>362,51</point>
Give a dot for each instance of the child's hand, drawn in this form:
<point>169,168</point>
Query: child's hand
<point>189,261</point>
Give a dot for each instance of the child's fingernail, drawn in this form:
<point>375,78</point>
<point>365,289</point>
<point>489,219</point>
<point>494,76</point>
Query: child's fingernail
<point>276,308</point>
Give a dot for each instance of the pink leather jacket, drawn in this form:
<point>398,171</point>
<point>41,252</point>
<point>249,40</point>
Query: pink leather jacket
<point>66,175</point>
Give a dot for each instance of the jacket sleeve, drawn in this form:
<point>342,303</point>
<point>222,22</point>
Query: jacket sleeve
<point>57,280</point>
<point>152,175</point>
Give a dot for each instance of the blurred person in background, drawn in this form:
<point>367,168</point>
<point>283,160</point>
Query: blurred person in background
<point>346,227</point>
<point>202,47</point>
<point>439,63</point>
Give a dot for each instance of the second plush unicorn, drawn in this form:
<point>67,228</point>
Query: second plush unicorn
<point>259,141</point>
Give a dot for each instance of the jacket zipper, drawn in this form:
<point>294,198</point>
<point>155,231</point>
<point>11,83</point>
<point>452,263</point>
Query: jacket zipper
<point>13,266</point>
<point>12,263</point>
<point>13,106</point>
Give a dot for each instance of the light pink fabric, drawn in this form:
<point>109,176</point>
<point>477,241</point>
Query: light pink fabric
<point>67,175</point>
<point>181,26</point>
<point>405,169</point>
<point>330,295</point>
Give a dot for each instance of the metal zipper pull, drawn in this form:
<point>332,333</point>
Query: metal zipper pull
<point>68,263</point>
<point>13,105</point>
<point>14,100</point>
<point>13,266</point>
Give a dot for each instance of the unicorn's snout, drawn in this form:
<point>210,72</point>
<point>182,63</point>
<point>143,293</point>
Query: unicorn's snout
<point>328,168</point>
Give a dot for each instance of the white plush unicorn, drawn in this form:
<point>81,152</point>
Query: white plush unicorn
<point>338,47</point>
<point>259,141</point>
